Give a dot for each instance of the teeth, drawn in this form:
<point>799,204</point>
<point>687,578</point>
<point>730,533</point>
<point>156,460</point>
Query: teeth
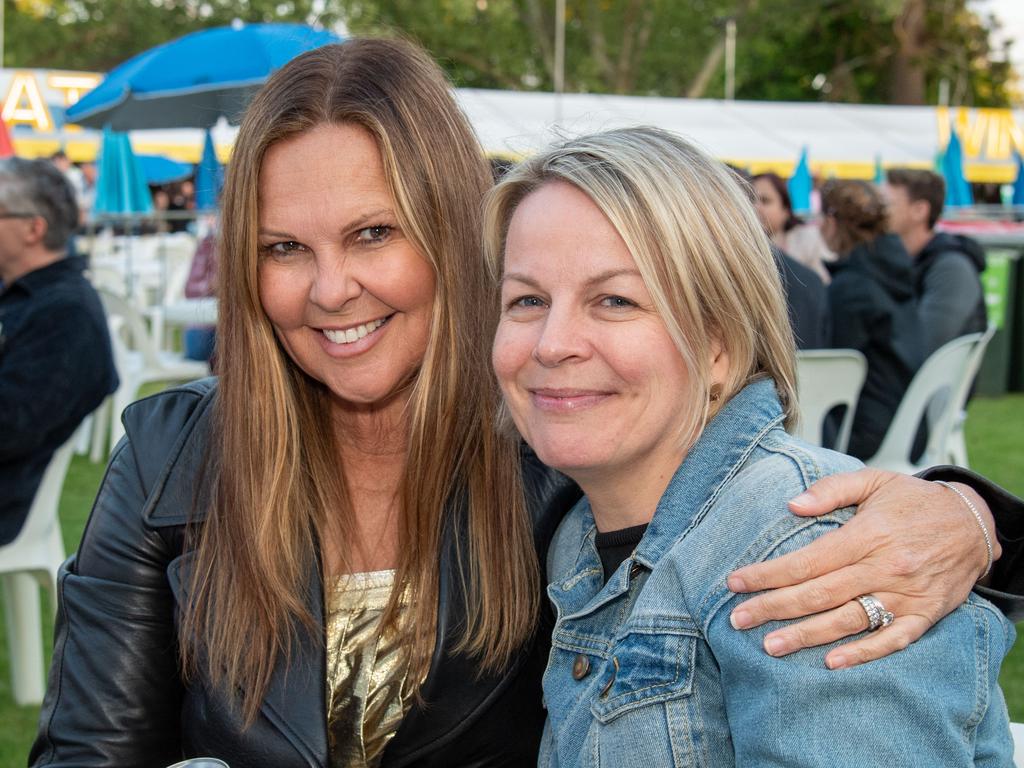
<point>353,334</point>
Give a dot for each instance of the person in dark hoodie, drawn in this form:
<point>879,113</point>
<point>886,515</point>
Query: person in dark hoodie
<point>947,267</point>
<point>873,306</point>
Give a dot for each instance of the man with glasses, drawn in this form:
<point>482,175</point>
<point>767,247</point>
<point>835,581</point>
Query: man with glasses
<point>56,364</point>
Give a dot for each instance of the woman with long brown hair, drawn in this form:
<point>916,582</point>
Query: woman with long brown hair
<point>330,556</point>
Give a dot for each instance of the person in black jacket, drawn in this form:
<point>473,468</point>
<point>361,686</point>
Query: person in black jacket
<point>56,363</point>
<point>873,306</point>
<point>331,555</point>
<point>807,302</point>
<point>806,295</point>
<point>947,267</point>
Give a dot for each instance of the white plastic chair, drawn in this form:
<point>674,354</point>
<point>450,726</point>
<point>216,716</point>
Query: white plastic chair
<point>29,562</point>
<point>827,378</point>
<point>938,390</point>
<point>1017,731</point>
<point>138,362</point>
<point>957,445</point>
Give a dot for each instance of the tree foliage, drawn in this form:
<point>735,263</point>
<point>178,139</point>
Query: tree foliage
<point>876,51</point>
<point>99,34</point>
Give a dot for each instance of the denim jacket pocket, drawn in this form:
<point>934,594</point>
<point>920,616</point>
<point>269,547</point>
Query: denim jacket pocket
<point>652,661</point>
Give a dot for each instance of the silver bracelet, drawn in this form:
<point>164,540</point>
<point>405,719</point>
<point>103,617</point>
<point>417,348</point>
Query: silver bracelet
<point>977,516</point>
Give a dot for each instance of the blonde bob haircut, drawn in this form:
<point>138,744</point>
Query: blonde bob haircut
<point>690,225</point>
<point>279,495</point>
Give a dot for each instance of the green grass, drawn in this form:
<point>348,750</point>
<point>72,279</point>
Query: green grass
<point>993,439</point>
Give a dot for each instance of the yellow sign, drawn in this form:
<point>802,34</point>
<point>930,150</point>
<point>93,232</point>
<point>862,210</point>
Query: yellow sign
<point>990,137</point>
<point>30,94</point>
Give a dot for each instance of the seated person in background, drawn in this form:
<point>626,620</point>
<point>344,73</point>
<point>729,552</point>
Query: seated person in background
<point>873,308</point>
<point>947,267</point>
<point>806,294</point>
<point>56,364</point>
<point>643,350</point>
<point>797,238</point>
<point>202,283</point>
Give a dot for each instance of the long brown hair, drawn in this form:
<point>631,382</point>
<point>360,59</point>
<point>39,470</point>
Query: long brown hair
<point>279,492</point>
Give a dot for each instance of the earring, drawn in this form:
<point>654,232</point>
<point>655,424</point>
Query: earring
<point>716,393</point>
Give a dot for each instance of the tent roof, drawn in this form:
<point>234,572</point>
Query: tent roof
<point>841,138</point>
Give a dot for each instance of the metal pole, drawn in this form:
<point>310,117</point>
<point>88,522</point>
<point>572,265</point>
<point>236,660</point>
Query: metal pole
<point>559,74</point>
<point>730,59</point>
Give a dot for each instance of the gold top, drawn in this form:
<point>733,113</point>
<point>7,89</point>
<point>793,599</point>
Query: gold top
<point>367,689</point>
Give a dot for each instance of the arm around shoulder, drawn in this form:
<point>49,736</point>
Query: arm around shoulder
<point>938,700</point>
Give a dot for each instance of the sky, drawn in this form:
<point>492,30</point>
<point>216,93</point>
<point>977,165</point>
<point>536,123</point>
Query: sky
<point>1011,14</point>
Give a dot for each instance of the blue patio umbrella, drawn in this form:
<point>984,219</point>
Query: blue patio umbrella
<point>120,183</point>
<point>209,176</point>
<point>163,170</point>
<point>1018,184</point>
<point>192,81</point>
<point>958,191</point>
<point>800,185</point>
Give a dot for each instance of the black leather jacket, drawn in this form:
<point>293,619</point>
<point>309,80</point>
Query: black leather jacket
<point>115,696</point>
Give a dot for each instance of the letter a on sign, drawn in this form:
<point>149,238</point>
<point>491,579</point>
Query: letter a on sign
<point>24,103</point>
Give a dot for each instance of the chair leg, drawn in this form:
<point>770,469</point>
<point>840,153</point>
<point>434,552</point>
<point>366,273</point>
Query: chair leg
<point>83,435</point>
<point>101,420</point>
<point>22,615</point>
<point>120,402</point>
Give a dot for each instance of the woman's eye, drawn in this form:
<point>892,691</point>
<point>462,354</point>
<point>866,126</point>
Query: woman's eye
<point>282,249</point>
<point>617,302</point>
<point>526,302</point>
<point>375,234</point>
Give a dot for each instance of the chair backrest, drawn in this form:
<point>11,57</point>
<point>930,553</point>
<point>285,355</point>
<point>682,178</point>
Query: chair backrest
<point>132,325</point>
<point>939,389</point>
<point>42,515</point>
<point>827,378</point>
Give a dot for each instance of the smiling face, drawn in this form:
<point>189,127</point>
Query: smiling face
<point>589,371</point>
<point>348,295</point>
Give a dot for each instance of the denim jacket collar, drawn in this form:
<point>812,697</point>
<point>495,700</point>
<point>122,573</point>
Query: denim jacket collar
<point>718,454</point>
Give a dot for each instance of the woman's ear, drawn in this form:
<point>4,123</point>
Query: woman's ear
<point>719,360</point>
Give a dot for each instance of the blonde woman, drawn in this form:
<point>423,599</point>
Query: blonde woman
<point>329,557</point>
<point>644,351</point>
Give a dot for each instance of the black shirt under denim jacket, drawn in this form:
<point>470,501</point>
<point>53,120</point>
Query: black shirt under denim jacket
<point>56,367</point>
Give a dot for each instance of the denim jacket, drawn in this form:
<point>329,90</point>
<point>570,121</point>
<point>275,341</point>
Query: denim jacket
<point>645,670</point>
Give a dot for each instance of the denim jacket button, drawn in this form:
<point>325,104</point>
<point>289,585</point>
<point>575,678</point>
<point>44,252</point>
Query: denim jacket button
<point>611,680</point>
<point>635,570</point>
<point>580,667</point>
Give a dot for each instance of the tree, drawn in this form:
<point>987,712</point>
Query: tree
<point>100,34</point>
<point>881,51</point>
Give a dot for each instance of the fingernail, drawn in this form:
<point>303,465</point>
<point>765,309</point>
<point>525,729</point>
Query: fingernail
<point>776,646</point>
<point>838,661</point>
<point>740,619</point>
<point>803,500</point>
<point>736,583</point>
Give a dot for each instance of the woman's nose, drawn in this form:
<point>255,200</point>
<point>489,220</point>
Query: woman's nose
<point>562,338</point>
<point>335,283</point>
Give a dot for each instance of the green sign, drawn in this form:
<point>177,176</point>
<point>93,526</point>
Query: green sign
<point>995,280</point>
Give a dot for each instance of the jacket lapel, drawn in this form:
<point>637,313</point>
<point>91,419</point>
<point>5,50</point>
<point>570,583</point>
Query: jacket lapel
<point>294,703</point>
